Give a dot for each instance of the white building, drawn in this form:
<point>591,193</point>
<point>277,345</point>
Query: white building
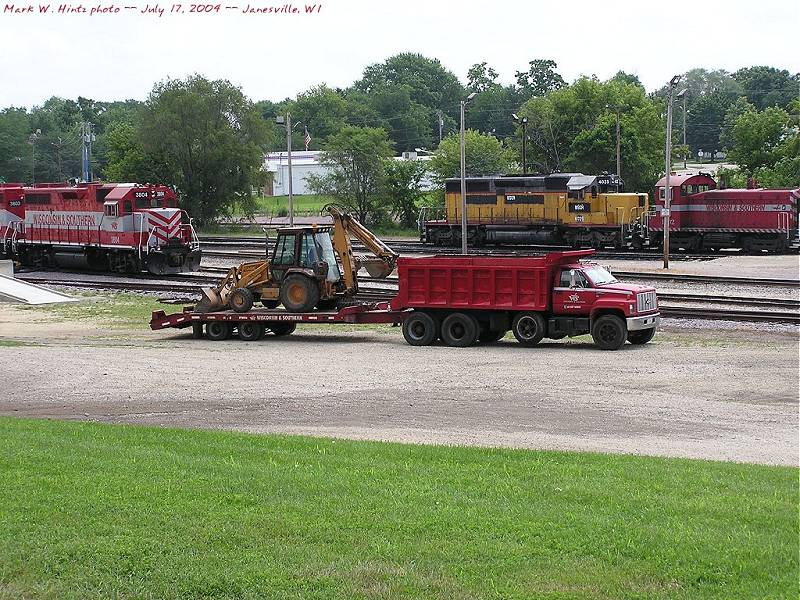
<point>305,163</point>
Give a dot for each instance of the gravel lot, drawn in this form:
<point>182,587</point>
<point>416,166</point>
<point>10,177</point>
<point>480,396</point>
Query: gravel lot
<point>714,391</point>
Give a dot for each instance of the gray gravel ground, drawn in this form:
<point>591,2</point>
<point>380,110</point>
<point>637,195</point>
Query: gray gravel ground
<point>713,392</point>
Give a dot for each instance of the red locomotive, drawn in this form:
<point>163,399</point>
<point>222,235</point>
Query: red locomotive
<point>120,227</point>
<point>703,217</point>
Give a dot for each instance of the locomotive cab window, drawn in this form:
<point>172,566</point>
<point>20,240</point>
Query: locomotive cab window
<point>111,209</point>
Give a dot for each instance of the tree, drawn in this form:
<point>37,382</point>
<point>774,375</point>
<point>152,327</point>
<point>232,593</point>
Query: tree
<point>355,156</point>
<point>211,140</point>
<point>127,159</point>
<point>761,139</point>
<point>481,78</point>
<point>322,110</point>
<point>768,86</point>
<point>402,185</point>
<point>540,78</point>
<point>484,155</point>
<point>15,153</point>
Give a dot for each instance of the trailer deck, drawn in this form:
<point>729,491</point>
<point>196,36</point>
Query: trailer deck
<point>379,312</point>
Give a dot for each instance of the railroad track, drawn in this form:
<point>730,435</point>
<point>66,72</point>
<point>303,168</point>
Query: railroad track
<point>782,310</point>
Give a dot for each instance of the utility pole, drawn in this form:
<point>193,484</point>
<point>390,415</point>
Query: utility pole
<point>685,150</point>
<point>87,136</point>
<point>58,146</point>
<point>463,177</point>
<point>289,166</point>
<point>524,122</point>
<point>667,168</point>
<point>619,168</point>
<point>441,124</point>
<point>32,141</point>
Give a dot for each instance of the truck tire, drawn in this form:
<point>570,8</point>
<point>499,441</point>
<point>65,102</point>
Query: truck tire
<point>460,330</point>
<point>609,332</point>
<point>217,330</point>
<point>241,300</point>
<point>528,328</point>
<point>420,329</point>
<point>280,329</point>
<point>637,338</point>
<point>250,332</point>
<point>299,293</point>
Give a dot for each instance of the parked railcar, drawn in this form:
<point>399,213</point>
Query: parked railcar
<point>120,227</point>
<point>569,209</point>
<point>703,217</point>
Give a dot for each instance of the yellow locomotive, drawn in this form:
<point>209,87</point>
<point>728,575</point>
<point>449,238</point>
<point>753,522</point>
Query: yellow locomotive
<point>568,209</point>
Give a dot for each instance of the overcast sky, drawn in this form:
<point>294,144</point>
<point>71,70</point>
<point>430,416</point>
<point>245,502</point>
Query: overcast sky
<point>272,56</point>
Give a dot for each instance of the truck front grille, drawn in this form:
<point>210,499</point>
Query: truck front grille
<point>646,302</point>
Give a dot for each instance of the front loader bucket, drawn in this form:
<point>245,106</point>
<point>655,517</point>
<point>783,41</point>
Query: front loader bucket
<point>210,302</point>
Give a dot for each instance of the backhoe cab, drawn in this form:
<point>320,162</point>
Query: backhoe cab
<point>311,267</point>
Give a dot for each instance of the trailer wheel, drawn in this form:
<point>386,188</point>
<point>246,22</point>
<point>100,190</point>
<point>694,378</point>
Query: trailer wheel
<point>299,293</point>
<point>420,329</point>
<point>241,300</point>
<point>637,338</point>
<point>250,332</point>
<point>197,330</point>
<point>528,328</point>
<point>460,330</point>
<point>281,329</point>
<point>217,330</point>
<point>609,332</point>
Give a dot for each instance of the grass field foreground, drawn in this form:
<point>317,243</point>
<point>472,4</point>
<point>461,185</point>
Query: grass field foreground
<point>98,511</point>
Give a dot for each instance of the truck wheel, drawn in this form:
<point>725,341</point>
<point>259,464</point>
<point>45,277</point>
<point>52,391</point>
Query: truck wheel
<point>217,330</point>
<point>460,330</point>
<point>250,332</point>
<point>528,328</point>
<point>420,329</point>
<point>241,300</point>
<point>642,336</point>
<point>299,294</point>
<point>609,332</point>
<point>281,329</point>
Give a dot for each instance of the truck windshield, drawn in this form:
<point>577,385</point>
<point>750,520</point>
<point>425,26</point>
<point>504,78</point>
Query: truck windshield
<point>328,255</point>
<point>599,275</point>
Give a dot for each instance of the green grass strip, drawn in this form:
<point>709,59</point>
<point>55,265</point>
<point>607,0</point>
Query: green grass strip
<point>98,511</point>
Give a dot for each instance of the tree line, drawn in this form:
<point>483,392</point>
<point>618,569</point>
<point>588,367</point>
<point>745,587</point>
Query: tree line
<point>207,138</point>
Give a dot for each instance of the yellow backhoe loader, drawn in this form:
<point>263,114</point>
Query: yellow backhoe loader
<point>311,267</point>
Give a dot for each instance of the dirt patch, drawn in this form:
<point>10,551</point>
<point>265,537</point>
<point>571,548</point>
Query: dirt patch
<point>710,393</point>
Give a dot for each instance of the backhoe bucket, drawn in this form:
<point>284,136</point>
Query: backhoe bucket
<point>210,302</point>
<point>378,270</point>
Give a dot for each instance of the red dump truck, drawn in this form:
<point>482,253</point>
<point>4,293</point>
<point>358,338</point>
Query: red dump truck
<point>467,299</point>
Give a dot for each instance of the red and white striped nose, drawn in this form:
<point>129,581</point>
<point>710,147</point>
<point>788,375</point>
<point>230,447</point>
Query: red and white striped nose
<point>165,223</point>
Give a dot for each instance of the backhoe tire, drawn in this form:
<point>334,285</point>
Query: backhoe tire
<point>250,332</point>
<point>420,328</point>
<point>280,329</point>
<point>609,332</point>
<point>637,338</point>
<point>241,300</point>
<point>460,330</point>
<point>529,328</point>
<point>299,293</point>
<point>217,331</point>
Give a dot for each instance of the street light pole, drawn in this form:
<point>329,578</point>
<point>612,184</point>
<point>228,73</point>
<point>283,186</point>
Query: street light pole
<point>524,122</point>
<point>463,177</point>
<point>683,93</point>
<point>619,169</point>
<point>667,168</point>
<point>289,166</point>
